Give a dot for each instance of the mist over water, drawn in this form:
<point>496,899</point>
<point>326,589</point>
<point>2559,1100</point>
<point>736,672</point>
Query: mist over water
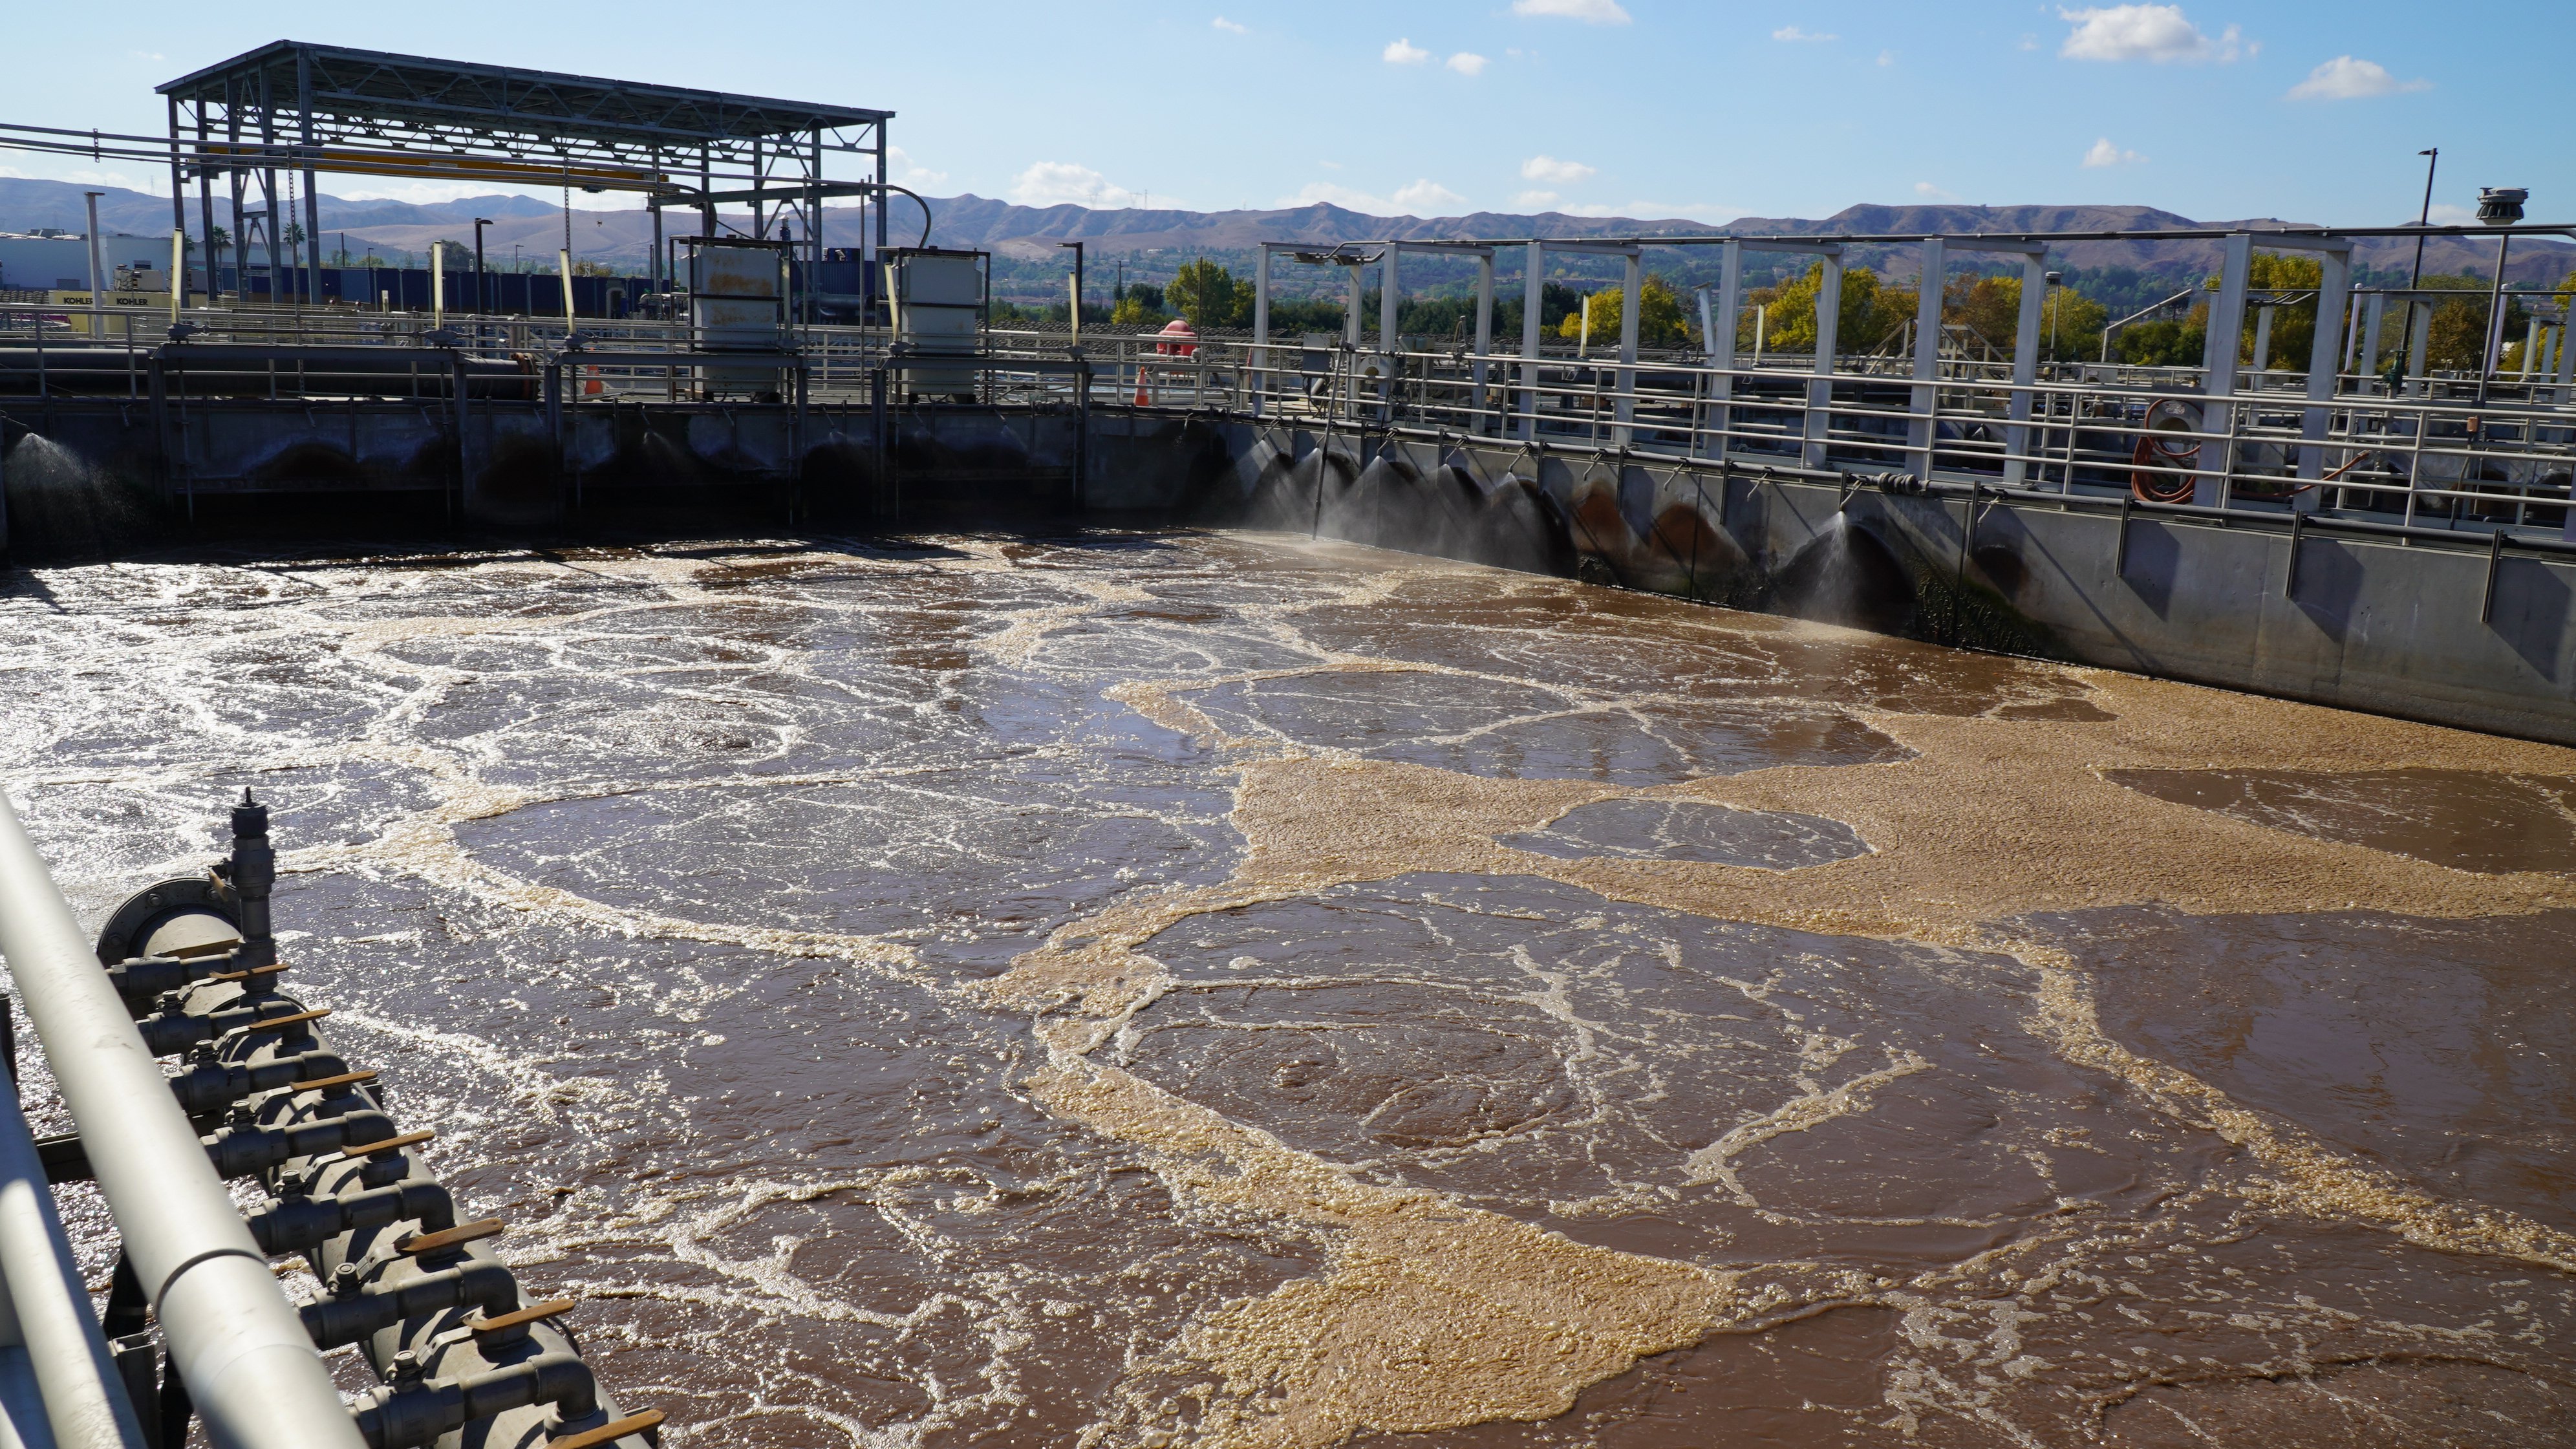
<point>1219,989</point>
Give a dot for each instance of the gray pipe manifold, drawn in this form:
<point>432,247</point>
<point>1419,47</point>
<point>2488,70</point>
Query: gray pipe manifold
<point>465,1357</point>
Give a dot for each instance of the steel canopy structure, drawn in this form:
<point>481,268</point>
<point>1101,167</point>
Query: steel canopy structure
<point>302,108</point>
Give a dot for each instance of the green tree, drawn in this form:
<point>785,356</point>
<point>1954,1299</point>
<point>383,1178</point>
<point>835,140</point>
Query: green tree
<point>1209,295</point>
<point>1139,305</point>
<point>2164,342</point>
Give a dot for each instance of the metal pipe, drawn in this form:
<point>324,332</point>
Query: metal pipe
<point>234,1339</point>
<point>84,1399</point>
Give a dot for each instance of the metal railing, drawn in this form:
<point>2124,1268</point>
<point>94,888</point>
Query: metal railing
<point>2442,450</point>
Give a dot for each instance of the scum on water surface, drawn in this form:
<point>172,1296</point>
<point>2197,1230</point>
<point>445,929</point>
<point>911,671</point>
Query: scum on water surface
<point>1219,989</point>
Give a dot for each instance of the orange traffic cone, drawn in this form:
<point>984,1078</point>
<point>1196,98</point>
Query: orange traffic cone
<point>1142,400</point>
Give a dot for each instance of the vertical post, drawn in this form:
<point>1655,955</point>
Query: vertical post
<point>1533,285</point>
<point>206,202</point>
<point>2531,348</point>
<point>1922,428</point>
<point>178,270</point>
<point>1721,339</point>
<point>97,273</point>
<point>882,193</point>
<point>312,202</point>
<point>268,193</point>
<point>1387,297</point>
<point>563,268</point>
<point>2334,284</point>
<point>1625,411</point>
<point>2566,360</point>
<point>1260,331</point>
<point>1484,332</point>
<point>437,284</point>
<point>1820,392</point>
<point>2374,309</point>
<point>2419,339</point>
<point>2218,359</point>
<point>2034,295</point>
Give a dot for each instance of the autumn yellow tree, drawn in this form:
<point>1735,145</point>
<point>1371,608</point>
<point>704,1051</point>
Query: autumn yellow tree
<point>1871,314</point>
<point>1990,308</point>
<point>1660,320</point>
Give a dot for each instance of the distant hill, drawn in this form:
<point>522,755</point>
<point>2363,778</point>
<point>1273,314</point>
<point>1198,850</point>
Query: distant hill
<point>1154,241</point>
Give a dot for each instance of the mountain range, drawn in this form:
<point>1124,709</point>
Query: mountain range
<point>1153,241</point>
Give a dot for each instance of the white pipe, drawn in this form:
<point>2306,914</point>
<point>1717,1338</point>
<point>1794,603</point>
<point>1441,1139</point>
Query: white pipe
<point>437,284</point>
<point>235,1340</point>
<point>84,1399</point>
<point>563,261</point>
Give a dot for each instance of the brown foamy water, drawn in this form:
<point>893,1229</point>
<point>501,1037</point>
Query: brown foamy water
<point>1144,991</point>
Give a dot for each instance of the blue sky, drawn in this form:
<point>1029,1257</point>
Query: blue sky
<point>1654,108</point>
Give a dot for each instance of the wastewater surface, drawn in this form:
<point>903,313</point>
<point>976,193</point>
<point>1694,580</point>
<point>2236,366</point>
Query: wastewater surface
<point>1223,990</point>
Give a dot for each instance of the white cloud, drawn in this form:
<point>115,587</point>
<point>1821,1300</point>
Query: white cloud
<point>1330,165</point>
<point>2345,78</point>
<point>2106,154</point>
<point>1793,35</point>
<point>1230,27</point>
<point>1590,12</point>
<point>1887,57</point>
<point>1930,192</point>
<point>2160,33</point>
<point>1467,62</point>
<point>2445,214</point>
<point>1555,172</point>
<point>1404,52</point>
<point>1061,183</point>
<point>1536,200</point>
<point>1408,200</point>
<point>1427,194</point>
<point>908,172</point>
<point>2029,42</point>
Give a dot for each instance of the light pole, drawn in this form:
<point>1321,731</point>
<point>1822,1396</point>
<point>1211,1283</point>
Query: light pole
<point>2426,218</point>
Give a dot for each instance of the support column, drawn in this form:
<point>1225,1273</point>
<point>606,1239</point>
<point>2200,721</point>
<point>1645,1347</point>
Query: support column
<point>1532,284</point>
<point>2219,366</point>
<point>1923,428</point>
<point>1484,332</point>
<point>2334,285</point>
<point>1387,344</point>
<point>312,203</point>
<point>1625,411</point>
<point>1387,298</point>
<point>1721,340</point>
<point>1820,392</point>
<point>1260,330</point>
<point>2374,309</point>
<point>2034,296</point>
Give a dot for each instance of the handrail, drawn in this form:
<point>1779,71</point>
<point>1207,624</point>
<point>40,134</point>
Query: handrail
<point>48,1308</point>
<point>236,1342</point>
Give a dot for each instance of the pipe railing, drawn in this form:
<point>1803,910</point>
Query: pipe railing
<point>235,1341</point>
<point>2440,446</point>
